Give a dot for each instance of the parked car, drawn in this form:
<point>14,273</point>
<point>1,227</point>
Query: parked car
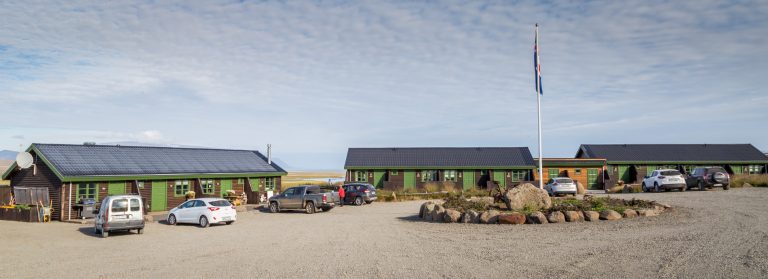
<point>664,180</point>
<point>708,177</point>
<point>309,198</point>
<point>359,193</point>
<point>203,211</point>
<point>119,213</point>
<point>560,186</point>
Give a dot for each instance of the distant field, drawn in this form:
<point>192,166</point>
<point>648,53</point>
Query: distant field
<point>295,178</point>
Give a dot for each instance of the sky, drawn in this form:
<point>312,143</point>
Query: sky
<point>314,78</point>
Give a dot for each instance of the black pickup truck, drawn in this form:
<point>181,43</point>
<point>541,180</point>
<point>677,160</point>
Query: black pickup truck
<point>708,177</point>
<point>308,198</point>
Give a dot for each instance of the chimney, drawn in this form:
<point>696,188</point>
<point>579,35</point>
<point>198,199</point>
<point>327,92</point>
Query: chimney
<point>269,153</point>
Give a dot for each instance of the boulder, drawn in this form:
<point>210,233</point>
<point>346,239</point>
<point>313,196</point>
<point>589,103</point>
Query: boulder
<point>556,217</point>
<point>746,185</point>
<point>609,215</point>
<point>513,218</point>
<point>437,214</point>
<point>426,207</point>
<point>471,216</point>
<point>647,212</point>
<point>527,194</point>
<point>536,217</point>
<point>591,216</point>
<point>451,216</point>
<point>429,208</point>
<point>573,216</point>
<point>580,189</point>
<point>629,213</point>
<point>489,217</point>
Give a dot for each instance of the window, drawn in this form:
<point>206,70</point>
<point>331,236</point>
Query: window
<point>450,175</point>
<point>394,172</point>
<point>135,205</point>
<point>87,191</point>
<point>553,172</point>
<point>220,203</point>
<point>361,176</point>
<point>207,185</point>
<point>181,187</point>
<point>754,169</point>
<point>577,171</point>
<point>240,181</point>
<point>269,183</point>
<point>290,191</point>
<point>140,184</point>
<point>429,175</point>
<point>519,175</point>
<point>120,205</point>
<point>689,169</point>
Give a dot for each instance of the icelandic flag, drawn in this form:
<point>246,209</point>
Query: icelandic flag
<point>537,62</point>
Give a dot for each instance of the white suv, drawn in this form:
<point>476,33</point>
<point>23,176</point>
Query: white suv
<point>664,180</point>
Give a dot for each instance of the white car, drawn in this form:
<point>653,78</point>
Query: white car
<point>664,180</point>
<point>204,211</point>
<point>560,185</point>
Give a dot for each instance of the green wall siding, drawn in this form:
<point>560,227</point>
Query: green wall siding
<point>624,173</point>
<point>409,179</point>
<point>226,184</point>
<point>116,188</point>
<point>159,199</point>
<point>378,178</point>
<point>498,175</point>
<point>469,179</point>
<point>737,169</point>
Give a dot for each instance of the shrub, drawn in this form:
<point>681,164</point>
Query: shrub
<point>430,187</point>
<point>757,180</point>
<point>461,204</point>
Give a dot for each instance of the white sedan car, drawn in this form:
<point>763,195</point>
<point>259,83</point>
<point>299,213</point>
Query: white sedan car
<point>560,185</point>
<point>204,211</point>
<point>664,180</point>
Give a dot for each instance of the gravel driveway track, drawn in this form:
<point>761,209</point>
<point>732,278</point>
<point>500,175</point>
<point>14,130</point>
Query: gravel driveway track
<point>712,234</point>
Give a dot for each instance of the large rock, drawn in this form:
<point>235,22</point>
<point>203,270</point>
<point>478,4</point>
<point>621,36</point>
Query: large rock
<point>580,189</point>
<point>429,208</point>
<point>573,216</point>
<point>489,217</point>
<point>629,213</point>
<point>471,217</point>
<point>485,200</point>
<point>591,216</point>
<point>609,215</point>
<point>426,207</point>
<point>536,217</point>
<point>556,217</point>
<point>513,218</point>
<point>647,212</point>
<point>527,194</point>
<point>437,214</point>
<point>451,216</point>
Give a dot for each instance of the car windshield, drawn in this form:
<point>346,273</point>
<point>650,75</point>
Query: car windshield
<point>220,203</point>
<point>564,180</point>
<point>673,172</point>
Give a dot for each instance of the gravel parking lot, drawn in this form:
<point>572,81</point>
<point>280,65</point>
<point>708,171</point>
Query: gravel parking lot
<point>712,234</point>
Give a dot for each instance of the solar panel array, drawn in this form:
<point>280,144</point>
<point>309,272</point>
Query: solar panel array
<point>674,152</point>
<point>439,157</point>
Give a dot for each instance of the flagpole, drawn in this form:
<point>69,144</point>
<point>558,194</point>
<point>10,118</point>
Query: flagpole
<point>538,108</point>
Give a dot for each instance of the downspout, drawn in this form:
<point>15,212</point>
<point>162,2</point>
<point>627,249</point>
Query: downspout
<point>69,210</point>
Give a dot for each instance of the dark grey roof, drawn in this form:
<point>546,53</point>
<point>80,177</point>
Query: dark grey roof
<point>439,157</point>
<point>94,160</point>
<point>672,152</point>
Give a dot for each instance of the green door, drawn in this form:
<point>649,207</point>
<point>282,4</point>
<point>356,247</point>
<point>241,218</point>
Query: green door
<point>737,169</point>
<point>469,179</point>
<point>409,179</point>
<point>226,184</point>
<point>498,175</point>
<point>378,178</point>
<point>591,178</point>
<point>624,173</point>
<point>116,188</point>
<point>159,199</point>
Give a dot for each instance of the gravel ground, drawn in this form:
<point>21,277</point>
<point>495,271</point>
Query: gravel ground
<point>712,234</point>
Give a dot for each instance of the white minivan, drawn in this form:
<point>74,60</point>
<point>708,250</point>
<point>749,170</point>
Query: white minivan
<point>120,213</point>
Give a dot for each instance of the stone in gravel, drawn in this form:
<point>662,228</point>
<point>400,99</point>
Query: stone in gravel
<point>629,213</point>
<point>647,212</point>
<point>470,217</point>
<point>423,210</point>
<point>663,205</point>
<point>527,194</point>
<point>513,218</point>
<point>489,217</point>
<point>609,215</point>
<point>556,217</point>
<point>536,218</point>
<point>591,216</point>
<point>451,216</point>
<point>437,214</point>
<point>573,216</point>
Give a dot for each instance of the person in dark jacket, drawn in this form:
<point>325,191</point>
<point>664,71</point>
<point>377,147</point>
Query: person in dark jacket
<point>341,195</point>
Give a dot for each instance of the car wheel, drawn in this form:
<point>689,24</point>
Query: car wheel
<point>204,222</point>
<point>682,189</point>
<point>358,201</point>
<point>172,219</point>
<point>230,222</point>
<point>726,186</point>
<point>656,187</point>
<point>309,208</point>
<point>140,231</point>
<point>645,190</point>
<point>701,186</point>
<point>273,207</point>
<point>104,234</point>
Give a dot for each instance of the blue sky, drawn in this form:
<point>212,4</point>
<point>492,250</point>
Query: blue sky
<point>314,78</point>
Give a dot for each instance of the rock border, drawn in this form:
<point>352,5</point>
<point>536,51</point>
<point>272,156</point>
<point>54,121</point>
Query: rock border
<point>432,211</point>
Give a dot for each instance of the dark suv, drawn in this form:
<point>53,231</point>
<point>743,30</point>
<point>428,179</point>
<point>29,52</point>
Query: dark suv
<point>708,177</point>
<point>359,193</point>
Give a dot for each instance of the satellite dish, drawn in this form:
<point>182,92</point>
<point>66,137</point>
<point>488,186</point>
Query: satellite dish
<point>24,160</point>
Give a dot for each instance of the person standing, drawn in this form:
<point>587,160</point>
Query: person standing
<point>342,194</point>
